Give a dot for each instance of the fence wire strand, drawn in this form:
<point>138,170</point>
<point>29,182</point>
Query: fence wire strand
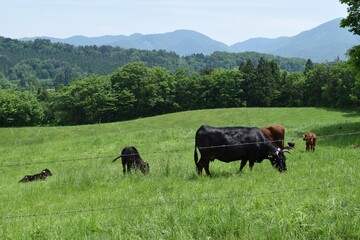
<point>171,202</point>
<point>157,152</point>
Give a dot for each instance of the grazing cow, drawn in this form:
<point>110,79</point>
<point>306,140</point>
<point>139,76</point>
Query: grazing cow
<point>39,176</point>
<point>229,144</point>
<point>310,140</point>
<point>131,159</point>
<point>276,134</point>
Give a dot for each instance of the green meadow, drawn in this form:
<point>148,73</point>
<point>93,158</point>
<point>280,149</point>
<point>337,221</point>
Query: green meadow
<point>88,197</point>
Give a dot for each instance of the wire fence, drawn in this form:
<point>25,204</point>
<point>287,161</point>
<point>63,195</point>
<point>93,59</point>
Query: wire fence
<point>155,152</point>
<point>234,197</point>
<point>338,135</point>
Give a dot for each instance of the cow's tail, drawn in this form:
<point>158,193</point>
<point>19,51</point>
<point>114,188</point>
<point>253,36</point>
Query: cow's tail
<point>117,158</point>
<point>196,158</point>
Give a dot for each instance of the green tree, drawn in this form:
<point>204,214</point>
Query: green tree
<point>4,82</point>
<point>187,89</point>
<point>158,92</point>
<point>308,66</point>
<point>260,89</point>
<point>222,88</point>
<point>249,74</point>
<point>143,91</point>
<point>314,85</point>
<point>127,83</point>
<point>338,89</point>
<point>353,22</point>
<point>19,109</point>
<point>87,100</point>
<point>353,19</point>
<point>292,90</point>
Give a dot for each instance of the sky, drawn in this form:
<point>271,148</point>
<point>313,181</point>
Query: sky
<point>227,21</point>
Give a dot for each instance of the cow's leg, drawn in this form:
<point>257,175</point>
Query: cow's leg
<point>129,166</point>
<point>124,168</point>
<point>251,164</point>
<point>206,167</point>
<point>203,163</point>
<point>242,165</point>
<point>200,166</point>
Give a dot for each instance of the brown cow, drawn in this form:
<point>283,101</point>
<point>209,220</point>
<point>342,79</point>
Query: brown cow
<point>310,139</point>
<point>276,134</point>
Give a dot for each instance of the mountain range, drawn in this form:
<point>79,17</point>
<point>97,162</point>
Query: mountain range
<point>325,42</point>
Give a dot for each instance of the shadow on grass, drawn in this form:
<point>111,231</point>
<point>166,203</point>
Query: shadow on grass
<point>214,175</point>
<point>346,113</point>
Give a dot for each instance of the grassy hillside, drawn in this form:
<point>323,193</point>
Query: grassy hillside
<point>88,197</point>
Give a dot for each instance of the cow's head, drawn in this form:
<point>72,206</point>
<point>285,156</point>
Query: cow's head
<point>144,167</point>
<point>46,172</point>
<point>278,159</point>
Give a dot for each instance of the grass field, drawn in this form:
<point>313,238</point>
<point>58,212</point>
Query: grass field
<point>88,197</point>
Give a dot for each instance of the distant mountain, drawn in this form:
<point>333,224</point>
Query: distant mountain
<point>323,43</point>
<point>259,44</point>
<point>81,40</point>
<point>183,42</point>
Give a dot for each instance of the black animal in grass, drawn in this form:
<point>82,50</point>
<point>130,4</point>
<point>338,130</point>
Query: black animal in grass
<point>229,144</point>
<point>131,159</point>
<point>39,176</point>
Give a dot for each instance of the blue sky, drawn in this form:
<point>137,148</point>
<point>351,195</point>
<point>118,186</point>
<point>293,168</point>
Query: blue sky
<point>228,21</point>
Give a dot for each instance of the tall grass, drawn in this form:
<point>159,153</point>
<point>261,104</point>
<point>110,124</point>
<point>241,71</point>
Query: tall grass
<point>89,198</point>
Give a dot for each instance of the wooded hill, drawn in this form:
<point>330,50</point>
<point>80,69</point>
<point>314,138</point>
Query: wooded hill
<point>43,83</point>
<point>62,63</point>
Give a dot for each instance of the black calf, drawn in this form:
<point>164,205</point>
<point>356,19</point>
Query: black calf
<point>39,176</point>
<point>131,160</point>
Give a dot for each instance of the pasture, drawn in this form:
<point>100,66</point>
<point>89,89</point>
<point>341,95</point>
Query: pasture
<point>88,197</point>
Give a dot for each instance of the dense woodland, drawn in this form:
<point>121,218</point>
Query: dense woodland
<point>42,83</point>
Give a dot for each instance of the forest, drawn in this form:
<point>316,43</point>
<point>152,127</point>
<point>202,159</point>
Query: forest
<point>44,83</point>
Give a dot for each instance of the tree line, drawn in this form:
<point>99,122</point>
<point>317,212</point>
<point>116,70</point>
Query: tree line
<point>44,64</point>
<point>138,90</point>
<point>42,83</point>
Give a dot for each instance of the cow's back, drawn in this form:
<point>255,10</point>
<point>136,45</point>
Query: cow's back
<point>207,136</point>
<point>276,134</point>
<point>231,143</point>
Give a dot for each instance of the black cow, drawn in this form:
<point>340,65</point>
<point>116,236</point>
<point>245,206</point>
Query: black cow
<point>229,144</point>
<point>39,176</point>
<point>131,159</point>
